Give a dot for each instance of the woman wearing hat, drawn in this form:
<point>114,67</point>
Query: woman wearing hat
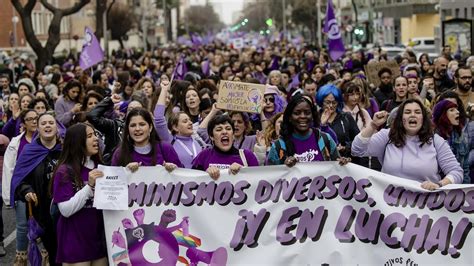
<point>449,125</point>
<point>410,149</point>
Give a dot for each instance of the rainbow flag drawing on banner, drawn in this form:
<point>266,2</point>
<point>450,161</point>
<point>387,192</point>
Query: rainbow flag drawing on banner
<point>189,241</point>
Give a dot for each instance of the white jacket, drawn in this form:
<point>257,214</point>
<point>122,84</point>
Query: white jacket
<point>9,162</point>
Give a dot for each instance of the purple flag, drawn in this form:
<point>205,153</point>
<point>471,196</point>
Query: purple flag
<point>196,40</point>
<point>180,70</point>
<point>274,64</point>
<point>206,68</point>
<point>331,28</point>
<point>91,51</point>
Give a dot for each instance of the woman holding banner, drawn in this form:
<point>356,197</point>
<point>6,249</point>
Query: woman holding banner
<point>73,191</point>
<point>141,145</point>
<point>410,149</point>
<point>301,140</point>
<point>223,154</point>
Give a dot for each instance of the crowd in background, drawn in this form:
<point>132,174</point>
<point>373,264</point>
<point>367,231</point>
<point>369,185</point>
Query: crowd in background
<point>136,109</point>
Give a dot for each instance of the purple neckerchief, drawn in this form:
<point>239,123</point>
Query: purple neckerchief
<point>31,156</point>
<point>311,64</point>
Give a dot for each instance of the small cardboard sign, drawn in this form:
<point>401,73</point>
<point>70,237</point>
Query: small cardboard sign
<point>372,69</point>
<point>239,96</point>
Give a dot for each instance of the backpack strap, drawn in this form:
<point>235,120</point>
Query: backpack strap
<point>327,144</point>
<point>243,158</point>
<point>280,148</point>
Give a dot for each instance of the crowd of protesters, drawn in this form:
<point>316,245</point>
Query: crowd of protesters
<point>135,109</point>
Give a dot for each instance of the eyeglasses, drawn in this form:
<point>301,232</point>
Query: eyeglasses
<point>29,119</point>
<point>270,99</point>
<point>330,103</point>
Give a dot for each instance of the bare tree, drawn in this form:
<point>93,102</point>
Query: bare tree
<point>120,20</point>
<point>44,53</point>
<point>202,19</point>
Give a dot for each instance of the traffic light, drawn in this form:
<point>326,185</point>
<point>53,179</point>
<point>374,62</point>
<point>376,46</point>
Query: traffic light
<point>360,33</point>
<point>269,22</point>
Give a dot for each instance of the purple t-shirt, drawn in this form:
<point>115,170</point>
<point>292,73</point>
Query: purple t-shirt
<point>80,236</point>
<point>164,153</point>
<point>222,160</point>
<point>306,148</point>
<point>23,142</point>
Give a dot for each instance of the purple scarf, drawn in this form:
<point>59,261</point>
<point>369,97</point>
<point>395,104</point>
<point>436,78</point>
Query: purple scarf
<point>31,156</point>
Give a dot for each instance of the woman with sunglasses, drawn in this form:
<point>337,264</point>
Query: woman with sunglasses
<point>32,178</point>
<point>28,120</point>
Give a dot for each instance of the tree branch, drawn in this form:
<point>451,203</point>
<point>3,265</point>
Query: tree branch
<point>110,7</point>
<point>49,6</point>
<point>68,11</point>
<point>27,8</point>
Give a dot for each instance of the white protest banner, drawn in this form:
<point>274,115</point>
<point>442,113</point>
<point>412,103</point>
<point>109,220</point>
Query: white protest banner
<point>238,43</point>
<point>111,191</point>
<point>312,214</point>
<point>240,96</point>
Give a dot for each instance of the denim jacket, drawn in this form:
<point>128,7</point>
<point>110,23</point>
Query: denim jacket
<point>460,146</point>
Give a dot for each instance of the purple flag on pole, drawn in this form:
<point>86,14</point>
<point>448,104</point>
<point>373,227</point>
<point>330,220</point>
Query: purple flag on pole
<point>331,28</point>
<point>180,70</point>
<point>274,64</point>
<point>206,68</point>
<point>91,51</point>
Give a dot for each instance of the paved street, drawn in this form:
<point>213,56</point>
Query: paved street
<point>9,234</point>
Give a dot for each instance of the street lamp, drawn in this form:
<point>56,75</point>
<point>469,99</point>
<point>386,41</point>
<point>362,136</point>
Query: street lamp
<point>15,21</point>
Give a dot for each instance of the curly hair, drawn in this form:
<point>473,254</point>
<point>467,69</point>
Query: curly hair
<point>270,132</point>
<point>397,134</point>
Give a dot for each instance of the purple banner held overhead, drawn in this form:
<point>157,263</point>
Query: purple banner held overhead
<point>331,28</point>
<point>91,53</point>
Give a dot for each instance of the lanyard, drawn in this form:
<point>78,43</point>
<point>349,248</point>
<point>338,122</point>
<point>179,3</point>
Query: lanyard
<point>242,142</point>
<point>192,154</point>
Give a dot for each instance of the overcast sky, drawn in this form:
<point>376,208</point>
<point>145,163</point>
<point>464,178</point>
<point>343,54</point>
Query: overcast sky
<point>225,8</point>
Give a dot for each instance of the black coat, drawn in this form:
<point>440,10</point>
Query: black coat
<point>110,128</point>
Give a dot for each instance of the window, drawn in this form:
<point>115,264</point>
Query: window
<point>429,42</point>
